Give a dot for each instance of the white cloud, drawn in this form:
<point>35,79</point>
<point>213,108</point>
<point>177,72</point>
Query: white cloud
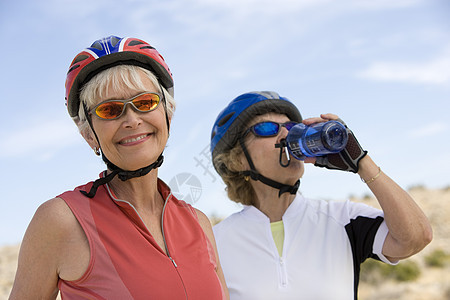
<point>39,141</point>
<point>436,71</point>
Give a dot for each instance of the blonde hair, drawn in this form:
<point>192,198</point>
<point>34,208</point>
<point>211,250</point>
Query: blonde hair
<point>115,79</point>
<point>238,189</point>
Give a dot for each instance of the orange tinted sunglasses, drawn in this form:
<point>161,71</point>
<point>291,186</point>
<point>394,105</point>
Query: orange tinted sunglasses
<point>113,109</point>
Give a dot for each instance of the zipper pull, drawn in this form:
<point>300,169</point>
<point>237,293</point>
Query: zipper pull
<point>174,263</point>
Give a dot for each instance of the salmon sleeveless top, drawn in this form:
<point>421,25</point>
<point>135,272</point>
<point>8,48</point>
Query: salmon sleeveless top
<point>127,263</point>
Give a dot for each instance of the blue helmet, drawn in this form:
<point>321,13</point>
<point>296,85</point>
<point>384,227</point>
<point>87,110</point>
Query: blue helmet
<point>230,124</point>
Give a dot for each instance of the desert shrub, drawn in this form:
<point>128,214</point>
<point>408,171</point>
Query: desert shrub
<point>404,271</point>
<point>367,196</point>
<point>375,271</point>
<point>371,271</point>
<point>417,187</point>
<point>437,258</point>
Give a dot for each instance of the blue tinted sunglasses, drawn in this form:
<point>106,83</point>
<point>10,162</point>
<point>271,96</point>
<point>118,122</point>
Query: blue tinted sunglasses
<point>269,128</point>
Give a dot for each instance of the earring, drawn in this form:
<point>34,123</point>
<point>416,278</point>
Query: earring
<point>246,178</point>
<point>96,151</point>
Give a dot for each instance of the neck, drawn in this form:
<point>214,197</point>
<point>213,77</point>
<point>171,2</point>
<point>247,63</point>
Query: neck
<point>142,192</point>
<point>268,202</point>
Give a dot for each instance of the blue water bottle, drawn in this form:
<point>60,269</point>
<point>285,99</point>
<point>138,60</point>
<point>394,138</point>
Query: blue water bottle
<point>317,139</point>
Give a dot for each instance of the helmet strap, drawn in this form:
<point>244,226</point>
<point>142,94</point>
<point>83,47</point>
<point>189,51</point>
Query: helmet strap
<point>255,175</point>
<point>165,106</point>
<point>122,174</point>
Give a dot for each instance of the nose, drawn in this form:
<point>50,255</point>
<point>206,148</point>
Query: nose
<point>282,134</point>
<point>131,117</point>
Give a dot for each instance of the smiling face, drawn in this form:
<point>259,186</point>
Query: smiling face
<point>266,157</point>
<point>136,139</point>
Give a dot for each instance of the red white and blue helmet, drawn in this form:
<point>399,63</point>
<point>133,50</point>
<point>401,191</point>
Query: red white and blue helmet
<point>230,124</point>
<point>109,52</point>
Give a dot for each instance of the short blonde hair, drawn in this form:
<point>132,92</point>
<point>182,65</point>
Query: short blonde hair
<point>116,78</point>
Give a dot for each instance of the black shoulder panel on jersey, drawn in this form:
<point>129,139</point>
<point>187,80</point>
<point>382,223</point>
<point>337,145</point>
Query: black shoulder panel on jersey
<point>361,234</point>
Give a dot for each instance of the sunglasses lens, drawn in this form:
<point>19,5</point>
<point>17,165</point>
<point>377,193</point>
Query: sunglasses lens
<point>146,102</point>
<point>266,129</point>
<point>109,110</point>
<point>113,109</point>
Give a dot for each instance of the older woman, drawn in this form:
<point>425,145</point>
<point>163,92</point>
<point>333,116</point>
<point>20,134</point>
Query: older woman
<point>283,245</point>
<point>123,236</point>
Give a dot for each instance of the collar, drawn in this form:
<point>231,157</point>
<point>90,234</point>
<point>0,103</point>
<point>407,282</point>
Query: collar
<point>252,212</point>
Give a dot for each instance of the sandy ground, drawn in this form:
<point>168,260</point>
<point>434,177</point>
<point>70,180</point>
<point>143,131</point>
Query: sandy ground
<point>433,283</point>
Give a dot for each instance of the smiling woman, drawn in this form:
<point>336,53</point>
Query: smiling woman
<point>123,236</point>
<point>115,119</point>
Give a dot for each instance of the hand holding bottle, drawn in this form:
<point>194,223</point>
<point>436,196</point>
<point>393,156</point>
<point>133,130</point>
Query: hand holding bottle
<point>346,160</point>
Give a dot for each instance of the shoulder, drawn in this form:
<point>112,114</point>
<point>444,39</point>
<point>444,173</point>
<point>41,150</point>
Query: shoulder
<point>56,228</point>
<point>49,223</point>
<point>206,226</point>
<point>53,226</point>
<point>202,219</point>
<point>54,216</point>
<point>341,211</point>
<point>233,221</point>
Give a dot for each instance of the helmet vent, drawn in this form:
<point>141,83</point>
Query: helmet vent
<point>73,68</point>
<point>97,46</point>
<point>135,42</point>
<point>225,119</point>
<point>114,41</point>
<point>79,58</point>
<point>147,47</point>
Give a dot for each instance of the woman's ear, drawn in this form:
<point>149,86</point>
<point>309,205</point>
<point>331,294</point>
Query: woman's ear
<point>88,136</point>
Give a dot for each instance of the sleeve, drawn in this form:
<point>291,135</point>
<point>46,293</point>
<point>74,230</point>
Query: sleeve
<point>378,243</point>
<point>367,231</point>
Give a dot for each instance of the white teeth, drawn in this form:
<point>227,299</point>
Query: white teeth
<point>134,139</point>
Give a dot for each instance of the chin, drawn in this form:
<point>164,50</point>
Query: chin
<point>296,170</point>
<point>133,167</point>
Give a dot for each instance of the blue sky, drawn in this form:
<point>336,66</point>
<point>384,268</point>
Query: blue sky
<point>383,66</point>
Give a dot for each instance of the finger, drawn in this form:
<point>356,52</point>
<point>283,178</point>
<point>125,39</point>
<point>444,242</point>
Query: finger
<point>313,120</point>
<point>329,116</point>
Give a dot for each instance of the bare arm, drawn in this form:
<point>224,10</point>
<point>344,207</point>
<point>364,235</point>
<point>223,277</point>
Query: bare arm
<point>409,229</point>
<point>44,254</point>
<point>207,228</point>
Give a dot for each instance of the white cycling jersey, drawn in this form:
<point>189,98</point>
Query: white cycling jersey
<point>324,245</point>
